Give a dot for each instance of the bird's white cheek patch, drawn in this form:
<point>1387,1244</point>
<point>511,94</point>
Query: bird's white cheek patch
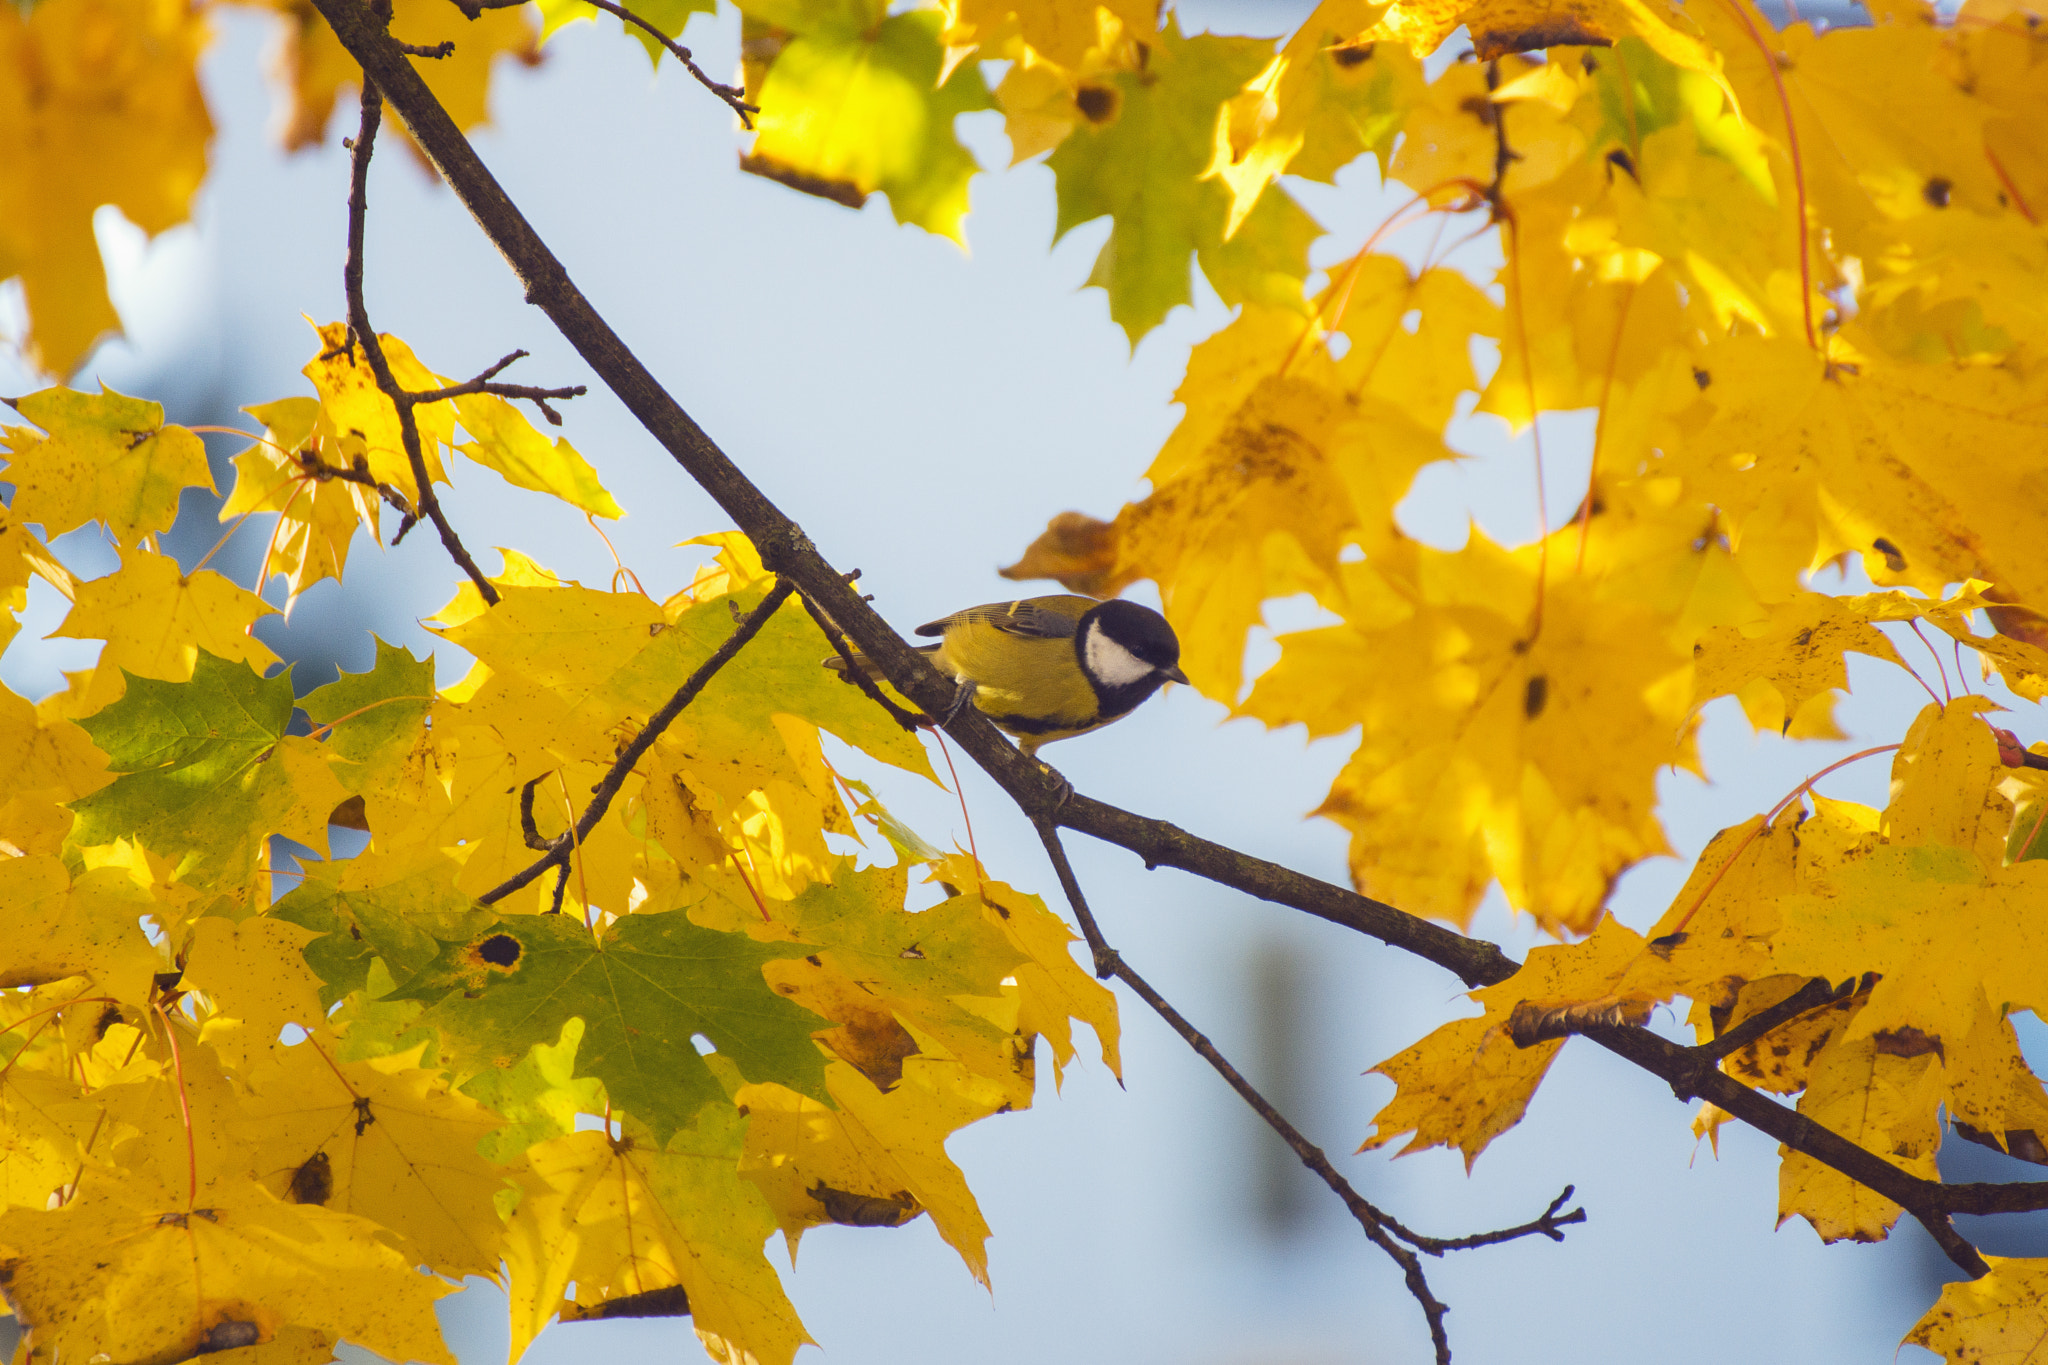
<point>1110,663</point>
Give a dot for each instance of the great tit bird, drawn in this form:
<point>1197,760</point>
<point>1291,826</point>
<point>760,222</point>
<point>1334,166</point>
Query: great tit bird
<point>1048,668</point>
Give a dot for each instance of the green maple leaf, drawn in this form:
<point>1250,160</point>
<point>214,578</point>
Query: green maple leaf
<point>1143,164</point>
<point>858,925</point>
<point>403,918</point>
<point>196,783</point>
<point>849,107</point>
<point>643,993</point>
<point>375,716</point>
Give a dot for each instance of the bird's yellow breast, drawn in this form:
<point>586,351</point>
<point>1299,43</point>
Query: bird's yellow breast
<point>1029,686</point>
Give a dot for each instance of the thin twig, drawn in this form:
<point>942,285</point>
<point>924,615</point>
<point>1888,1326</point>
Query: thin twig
<point>1550,1223</point>
<point>734,97</point>
<point>858,676</point>
<point>561,845</point>
<point>482,384</point>
<point>1811,996</point>
<point>373,347</point>
<point>1369,1217</point>
<point>1378,1226</point>
<point>1105,956</point>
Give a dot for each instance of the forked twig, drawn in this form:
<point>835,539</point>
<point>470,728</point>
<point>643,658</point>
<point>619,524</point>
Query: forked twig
<point>1385,1232</point>
<point>482,384</point>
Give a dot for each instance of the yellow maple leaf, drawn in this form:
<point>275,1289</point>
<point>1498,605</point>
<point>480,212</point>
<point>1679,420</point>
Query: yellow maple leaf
<point>107,458</point>
<point>44,752</point>
<point>364,423</point>
<point>383,1139</point>
<point>1863,1090</point>
<point>1053,991</point>
<point>1061,31</point>
<point>2001,1317</point>
<point>502,439</point>
<point>132,1272</point>
<point>1861,458</point>
<point>1501,27</point>
<point>83,926</point>
<point>620,1217</point>
<point>155,619</point>
<point>258,980</point>
<point>1797,650</point>
<point>1324,97</point>
<point>1469,1082</point>
<point>316,517</point>
<point>883,1144</point>
<point>1990,1092</point>
<point>101,105</point>
<point>1508,757</point>
<point>1943,923</point>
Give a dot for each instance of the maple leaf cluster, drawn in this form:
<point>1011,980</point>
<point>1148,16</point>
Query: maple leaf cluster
<point>604,1089</point>
<point>1795,274</point>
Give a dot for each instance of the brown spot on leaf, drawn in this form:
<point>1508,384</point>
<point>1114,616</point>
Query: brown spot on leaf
<point>313,1181</point>
<point>874,1044</point>
<point>866,1210</point>
<point>229,1335</point>
<point>1907,1042</point>
<point>350,814</point>
<point>1893,559</point>
<point>1097,103</point>
<point>670,1301</point>
<point>1356,55</point>
<point>1936,191</point>
<point>1534,695</point>
<point>803,182</point>
<point>1563,31</point>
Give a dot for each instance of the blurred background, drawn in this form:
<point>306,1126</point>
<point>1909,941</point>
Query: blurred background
<point>923,411</point>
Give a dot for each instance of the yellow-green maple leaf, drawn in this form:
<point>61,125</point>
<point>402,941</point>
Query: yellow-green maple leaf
<point>107,458</point>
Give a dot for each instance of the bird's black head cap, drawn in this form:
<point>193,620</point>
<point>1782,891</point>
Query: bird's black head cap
<point>1139,629</point>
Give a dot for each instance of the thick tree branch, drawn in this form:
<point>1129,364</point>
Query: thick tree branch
<point>373,347</point>
<point>1037,790</point>
<point>562,845</point>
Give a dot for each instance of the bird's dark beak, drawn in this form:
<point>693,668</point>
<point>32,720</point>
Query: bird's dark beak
<point>1174,675</point>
